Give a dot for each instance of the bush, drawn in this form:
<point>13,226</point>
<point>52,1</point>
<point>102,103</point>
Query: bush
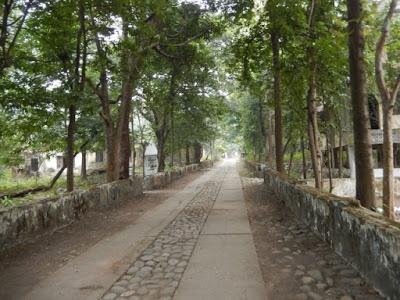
<point>6,202</point>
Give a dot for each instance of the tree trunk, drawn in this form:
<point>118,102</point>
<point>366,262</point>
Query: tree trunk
<point>388,179</point>
<point>77,87</point>
<point>290,161</point>
<point>313,132</point>
<point>160,134</point>
<point>133,143</point>
<point>277,101</point>
<point>198,149</point>
<point>64,166</point>
<point>144,157</point>
<point>70,148</point>
<point>82,84</point>
<point>270,157</point>
<point>303,154</point>
<point>365,183</point>
<point>117,139</point>
<point>122,145</point>
<point>83,166</point>
<point>109,135</point>
<point>122,142</point>
<point>389,98</point>
<point>187,154</point>
<point>263,131</point>
<point>102,92</point>
<point>6,12</point>
<point>172,132</point>
<point>340,152</point>
<point>330,159</point>
<point>314,158</point>
<point>254,148</point>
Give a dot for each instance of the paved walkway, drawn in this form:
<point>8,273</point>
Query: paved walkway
<point>200,245</point>
<point>224,263</point>
<point>206,252</point>
<point>196,245</point>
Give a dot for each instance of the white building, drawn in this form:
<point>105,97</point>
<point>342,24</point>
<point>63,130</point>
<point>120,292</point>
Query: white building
<point>49,164</point>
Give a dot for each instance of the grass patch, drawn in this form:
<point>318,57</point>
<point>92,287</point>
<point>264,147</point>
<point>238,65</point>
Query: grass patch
<point>7,201</point>
<point>8,184</point>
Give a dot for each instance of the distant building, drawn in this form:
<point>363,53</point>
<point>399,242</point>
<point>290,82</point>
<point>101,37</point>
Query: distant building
<point>376,130</point>
<point>45,164</point>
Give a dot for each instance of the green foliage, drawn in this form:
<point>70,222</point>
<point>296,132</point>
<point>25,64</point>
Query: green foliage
<point>168,38</point>
<point>6,202</point>
<point>249,58</point>
<point>203,73</point>
<point>9,183</point>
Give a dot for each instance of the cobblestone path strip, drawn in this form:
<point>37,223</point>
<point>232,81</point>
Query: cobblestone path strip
<point>158,270</point>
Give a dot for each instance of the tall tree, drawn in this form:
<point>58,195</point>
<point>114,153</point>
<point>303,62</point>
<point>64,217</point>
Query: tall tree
<point>365,183</point>
<point>77,92</point>
<point>131,49</point>
<point>277,99</point>
<point>388,95</point>
<point>274,11</point>
<point>313,130</point>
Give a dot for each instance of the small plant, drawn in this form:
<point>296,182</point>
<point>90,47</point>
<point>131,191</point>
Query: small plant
<point>7,201</point>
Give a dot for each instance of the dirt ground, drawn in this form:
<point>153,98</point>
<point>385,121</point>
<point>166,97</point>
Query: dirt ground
<point>24,266</point>
<point>294,262</point>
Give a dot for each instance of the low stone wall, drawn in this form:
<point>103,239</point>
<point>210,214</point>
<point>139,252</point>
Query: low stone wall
<point>367,240</point>
<point>206,164</point>
<point>258,168</point>
<point>21,223</point>
<point>163,179</point>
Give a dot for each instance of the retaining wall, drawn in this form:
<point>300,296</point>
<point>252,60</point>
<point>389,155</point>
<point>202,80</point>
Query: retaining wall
<point>21,223</point>
<point>366,239</point>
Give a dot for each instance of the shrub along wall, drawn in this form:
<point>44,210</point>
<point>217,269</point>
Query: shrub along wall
<point>21,223</point>
<point>366,239</point>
